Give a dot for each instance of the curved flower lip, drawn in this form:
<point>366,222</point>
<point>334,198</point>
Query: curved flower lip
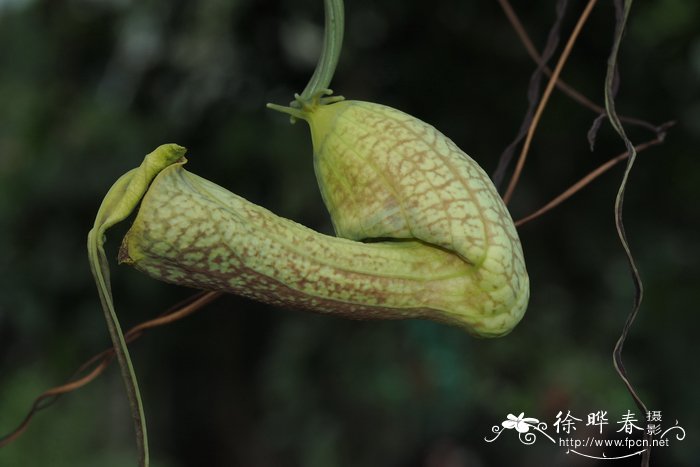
<point>520,423</point>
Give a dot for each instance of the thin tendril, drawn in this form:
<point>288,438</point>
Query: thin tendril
<point>545,97</point>
<point>103,359</point>
<point>622,15</point>
<point>591,176</point>
<point>533,93</point>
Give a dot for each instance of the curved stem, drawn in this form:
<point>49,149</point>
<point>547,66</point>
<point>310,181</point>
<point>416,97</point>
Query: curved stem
<point>332,44</point>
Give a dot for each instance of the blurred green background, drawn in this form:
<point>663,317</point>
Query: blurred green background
<point>88,87</point>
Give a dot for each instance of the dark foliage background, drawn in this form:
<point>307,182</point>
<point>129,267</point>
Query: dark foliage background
<point>88,87</point>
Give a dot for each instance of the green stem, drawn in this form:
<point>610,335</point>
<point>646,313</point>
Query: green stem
<point>332,45</point>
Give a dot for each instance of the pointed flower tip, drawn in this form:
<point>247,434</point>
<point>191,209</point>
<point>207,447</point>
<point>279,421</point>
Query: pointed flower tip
<point>165,155</point>
<point>173,151</point>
